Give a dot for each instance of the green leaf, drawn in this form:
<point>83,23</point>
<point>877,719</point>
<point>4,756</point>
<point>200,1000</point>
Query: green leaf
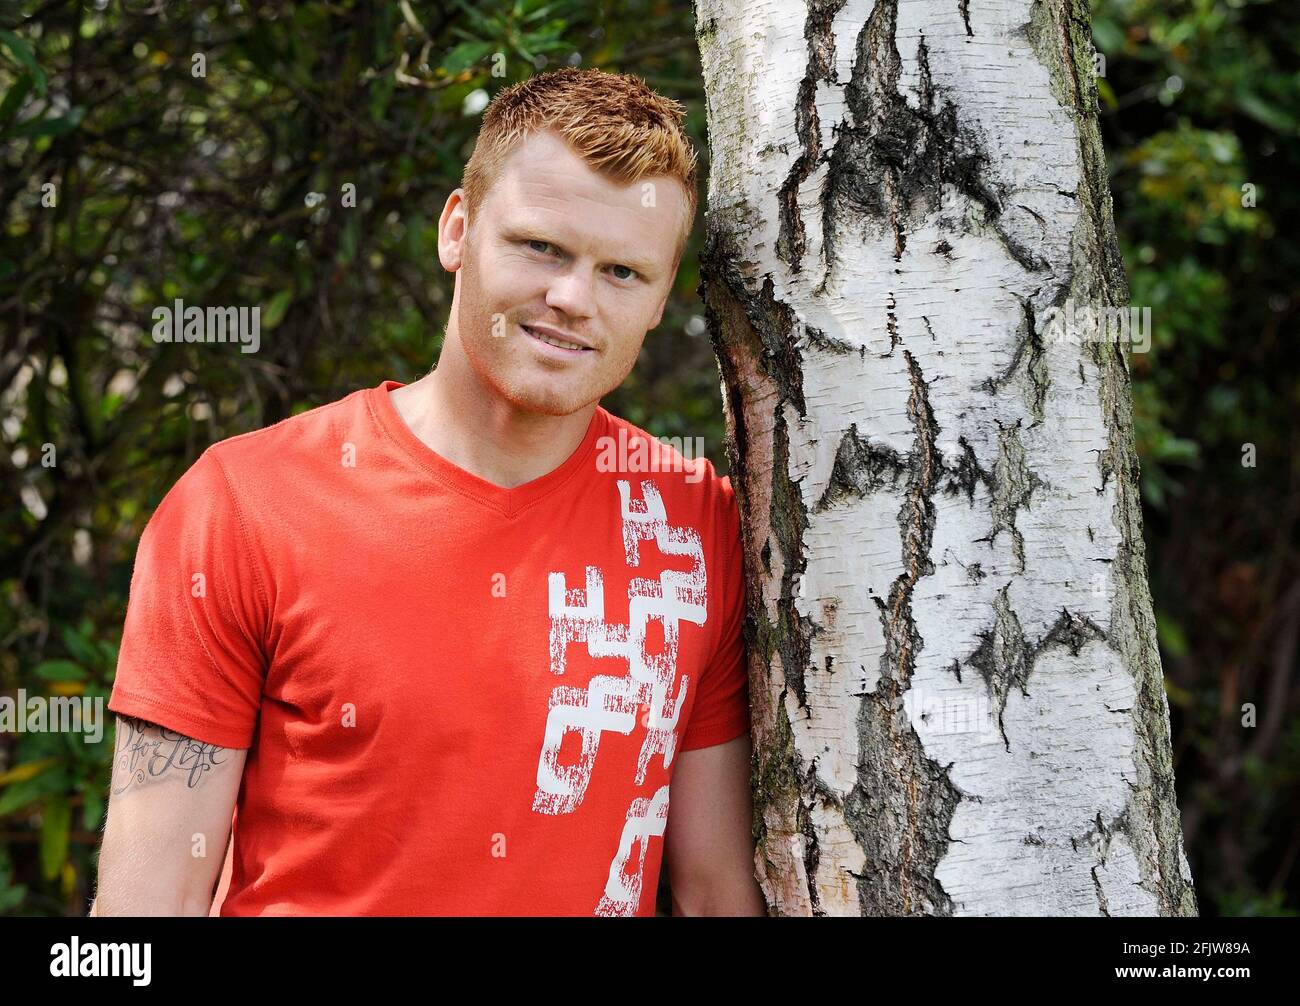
<point>466,55</point>
<point>1107,93</point>
<point>473,15</point>
<point>60,670</point>
<point>381,94</point>
<point>348,242</point>
<point>56,822</point>
<point>1172,638</point>
<point>92,810</point>
<point>12,897</point>
<point>109,652</point>
<point>50,127</point>
<point>1261,111</point>
<point>14,98</point>
<point>537,14</point>
<point>78,643</point>
<point>23,53</point>
<point>274,312</point>
<point>1107,35</point>
<point>20,794</point>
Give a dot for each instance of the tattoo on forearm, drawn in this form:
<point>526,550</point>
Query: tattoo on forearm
<point>146,752</point>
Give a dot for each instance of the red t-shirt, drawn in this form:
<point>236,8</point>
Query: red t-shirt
<point>458,699</point>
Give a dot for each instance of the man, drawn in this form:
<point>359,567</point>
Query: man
<point>446,657</point>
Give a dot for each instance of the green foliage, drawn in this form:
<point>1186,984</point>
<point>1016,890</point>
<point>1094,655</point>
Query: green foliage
<point>1200,126</point>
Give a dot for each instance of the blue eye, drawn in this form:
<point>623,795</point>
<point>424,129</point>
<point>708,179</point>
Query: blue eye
<point>545,248</point>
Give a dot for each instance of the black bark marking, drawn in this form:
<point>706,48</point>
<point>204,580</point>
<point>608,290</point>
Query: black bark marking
<point>1012,487</point>
<point>766,320</point>
<point>1005,658</point>
<point>891,322</point>
<point>860,468</point>
<point>789,522</point>
<point>1030,352</point>
<point>1101,836</point>
<point>966,474</point>
<point>819,32</point>
<point>891,162</point>
<point>830,344</point>
<point>903,846</point>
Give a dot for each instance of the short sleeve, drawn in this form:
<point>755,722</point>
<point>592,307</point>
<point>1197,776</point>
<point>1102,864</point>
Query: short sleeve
<point>192,651</point>
<point>721,710</point>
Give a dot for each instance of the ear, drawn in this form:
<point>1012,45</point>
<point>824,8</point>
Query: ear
<point>453,227</point>
<point>659,312</point>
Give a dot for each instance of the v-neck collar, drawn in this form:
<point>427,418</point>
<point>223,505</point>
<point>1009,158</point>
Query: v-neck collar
<point>508,502</point>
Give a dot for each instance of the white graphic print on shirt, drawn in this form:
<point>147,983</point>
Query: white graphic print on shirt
<point>611,702</point>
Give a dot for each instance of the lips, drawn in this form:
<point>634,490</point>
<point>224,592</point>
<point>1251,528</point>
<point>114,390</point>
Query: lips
<point>556,341</point>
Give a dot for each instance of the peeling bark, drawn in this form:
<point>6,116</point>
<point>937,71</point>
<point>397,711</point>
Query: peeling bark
<point>940,503</point>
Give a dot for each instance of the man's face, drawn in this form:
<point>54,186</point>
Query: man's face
<point>558,250</point>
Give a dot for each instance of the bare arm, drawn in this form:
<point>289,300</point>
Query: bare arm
<point>708,846</point>
<point>169,813</point>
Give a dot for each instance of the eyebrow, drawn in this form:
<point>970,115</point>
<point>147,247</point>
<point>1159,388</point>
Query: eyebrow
<point>527,232</point>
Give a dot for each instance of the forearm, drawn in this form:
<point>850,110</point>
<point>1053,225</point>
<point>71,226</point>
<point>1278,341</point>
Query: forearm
<point>737,895</point>
<point>135,895</point>
<point>708,845</point>
<point>150,865</point>
<point>155,871</point>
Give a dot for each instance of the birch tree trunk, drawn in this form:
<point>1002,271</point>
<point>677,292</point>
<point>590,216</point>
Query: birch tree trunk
<point>958,701</point>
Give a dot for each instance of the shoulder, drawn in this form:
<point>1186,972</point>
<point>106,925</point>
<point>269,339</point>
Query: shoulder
<point>217,489</point>
<point>287,445</point>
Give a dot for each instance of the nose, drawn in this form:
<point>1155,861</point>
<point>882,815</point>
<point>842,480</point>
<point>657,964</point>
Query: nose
<point>571,292</point>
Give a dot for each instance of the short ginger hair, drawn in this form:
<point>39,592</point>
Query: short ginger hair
<point>614,121</point>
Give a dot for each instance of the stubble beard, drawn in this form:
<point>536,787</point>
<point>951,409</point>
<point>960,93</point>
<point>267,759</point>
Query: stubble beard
<point>496,359</point>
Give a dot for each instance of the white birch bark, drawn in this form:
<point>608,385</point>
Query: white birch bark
<point>940,502</point>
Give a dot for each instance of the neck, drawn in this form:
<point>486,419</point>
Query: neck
<point>467,422</point>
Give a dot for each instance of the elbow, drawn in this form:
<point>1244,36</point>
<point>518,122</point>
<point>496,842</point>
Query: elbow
<point>123,892</point>
<point>159,904</point>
